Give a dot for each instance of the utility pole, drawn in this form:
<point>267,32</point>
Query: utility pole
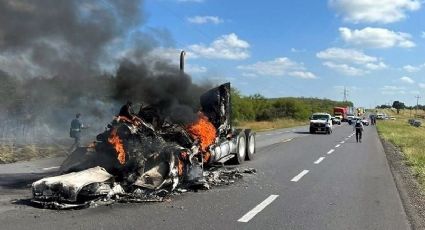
<point>345,94</point>
<point>417,105</point>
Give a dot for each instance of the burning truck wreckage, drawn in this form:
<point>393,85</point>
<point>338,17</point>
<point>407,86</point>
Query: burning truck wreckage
<point>150,158</point>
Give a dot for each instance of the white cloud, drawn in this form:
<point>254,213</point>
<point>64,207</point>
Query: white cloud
<point>195,69</point>
<point>423,34</point>
<point>346,55</point>
<point>408,80</point>
<point>413,69</point>
<point>375,66</point>
<point>345,69</point>
<point>294,50</point>
<point>370,37</point>
<point>393,90</point>
<point>227,46</point>
<point>205,20</point>
<point>350,62</point>
<point>249,75</point>
<point>282,66</point>
<point>302,74</point>
<point>421,85</point>
<point>374,11</point>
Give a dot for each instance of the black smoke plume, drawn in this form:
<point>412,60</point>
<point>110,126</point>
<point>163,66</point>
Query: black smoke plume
<point>62,57</point>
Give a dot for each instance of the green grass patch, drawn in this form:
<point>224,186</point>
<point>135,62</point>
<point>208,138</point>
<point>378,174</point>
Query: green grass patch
<point>411,140</point>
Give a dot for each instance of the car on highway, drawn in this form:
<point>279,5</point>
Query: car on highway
<point>365,122</point>
<point>349,118</point>
<point>321,122</point>
<point>336,120</point>
<point>380,116</point>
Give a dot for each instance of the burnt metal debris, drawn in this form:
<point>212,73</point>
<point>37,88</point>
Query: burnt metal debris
<point>150,159</point>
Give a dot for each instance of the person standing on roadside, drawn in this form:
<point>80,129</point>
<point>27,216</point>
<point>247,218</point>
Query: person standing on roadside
<point>358,127</point>
<point>75,131</point>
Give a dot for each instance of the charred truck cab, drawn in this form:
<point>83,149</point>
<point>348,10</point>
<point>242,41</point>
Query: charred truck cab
<point>141,160</point>
<point>231,143</point>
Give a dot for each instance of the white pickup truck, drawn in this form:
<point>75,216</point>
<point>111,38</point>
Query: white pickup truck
<point>321,122</point>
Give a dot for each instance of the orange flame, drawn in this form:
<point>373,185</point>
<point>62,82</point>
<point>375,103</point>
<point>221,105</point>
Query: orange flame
<point>115,140</point>
<point>180,167</point>
<point>203,130</point>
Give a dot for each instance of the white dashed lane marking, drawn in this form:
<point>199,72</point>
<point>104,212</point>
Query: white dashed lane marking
<point>319,160</point>
<point>337,146</point>
<point>331,151</point>
<point>49,168</point>
<point>248,216</point>
<point>299,176</point>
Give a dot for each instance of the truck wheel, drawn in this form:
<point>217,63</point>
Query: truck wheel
<point>311,130</point>
<point>250,144</point>
<point>241,148</point>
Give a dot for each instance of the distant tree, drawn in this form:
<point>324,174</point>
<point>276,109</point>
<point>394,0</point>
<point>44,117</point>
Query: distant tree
<point>398,105</point>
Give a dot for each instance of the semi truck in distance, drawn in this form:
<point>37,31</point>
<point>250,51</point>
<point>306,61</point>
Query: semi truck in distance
<point>341,113</point>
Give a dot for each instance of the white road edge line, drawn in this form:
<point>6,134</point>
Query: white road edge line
<point>249,215</point>
<point>299,176</point>
<point>319,160</point>
<point>342,142</point>
<point>54,167</point>
<point>337,146</point>
<point>269,134</point>
<point>331,151</point>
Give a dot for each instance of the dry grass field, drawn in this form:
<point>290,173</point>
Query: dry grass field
<point>410,139</point>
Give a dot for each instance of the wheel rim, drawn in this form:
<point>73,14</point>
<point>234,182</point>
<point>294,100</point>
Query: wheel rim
<point>251,144</point>
<point>241,151</point>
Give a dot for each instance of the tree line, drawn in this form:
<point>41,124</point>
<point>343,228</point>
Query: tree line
<point>398,105</point>
<point>258,108</point>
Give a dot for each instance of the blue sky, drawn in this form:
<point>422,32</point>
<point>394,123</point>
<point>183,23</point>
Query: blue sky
<point>281,48</point>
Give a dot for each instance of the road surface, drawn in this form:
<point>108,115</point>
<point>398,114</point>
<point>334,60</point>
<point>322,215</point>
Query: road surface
<point>304,181</point>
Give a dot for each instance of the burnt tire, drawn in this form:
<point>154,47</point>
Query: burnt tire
<point>240,149</point>
<point>250,144</point>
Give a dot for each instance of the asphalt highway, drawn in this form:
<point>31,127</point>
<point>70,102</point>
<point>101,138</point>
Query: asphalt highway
<point>303,181</point>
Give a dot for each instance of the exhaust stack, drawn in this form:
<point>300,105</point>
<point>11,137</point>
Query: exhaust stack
<point>182,54</point>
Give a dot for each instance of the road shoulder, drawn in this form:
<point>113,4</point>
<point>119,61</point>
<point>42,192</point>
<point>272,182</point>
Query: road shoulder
<point>412,198</point>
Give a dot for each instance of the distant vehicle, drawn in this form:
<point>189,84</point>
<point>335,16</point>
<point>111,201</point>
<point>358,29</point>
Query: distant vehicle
<point>392,118</point>
<point>365,122</point>
<point>360,111</point>
<point>350,117</point>
<point>336,120</point>
<point>341,113</point>
<point>321,122</point>
<point>417,123</point>
<point>380,116</point>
